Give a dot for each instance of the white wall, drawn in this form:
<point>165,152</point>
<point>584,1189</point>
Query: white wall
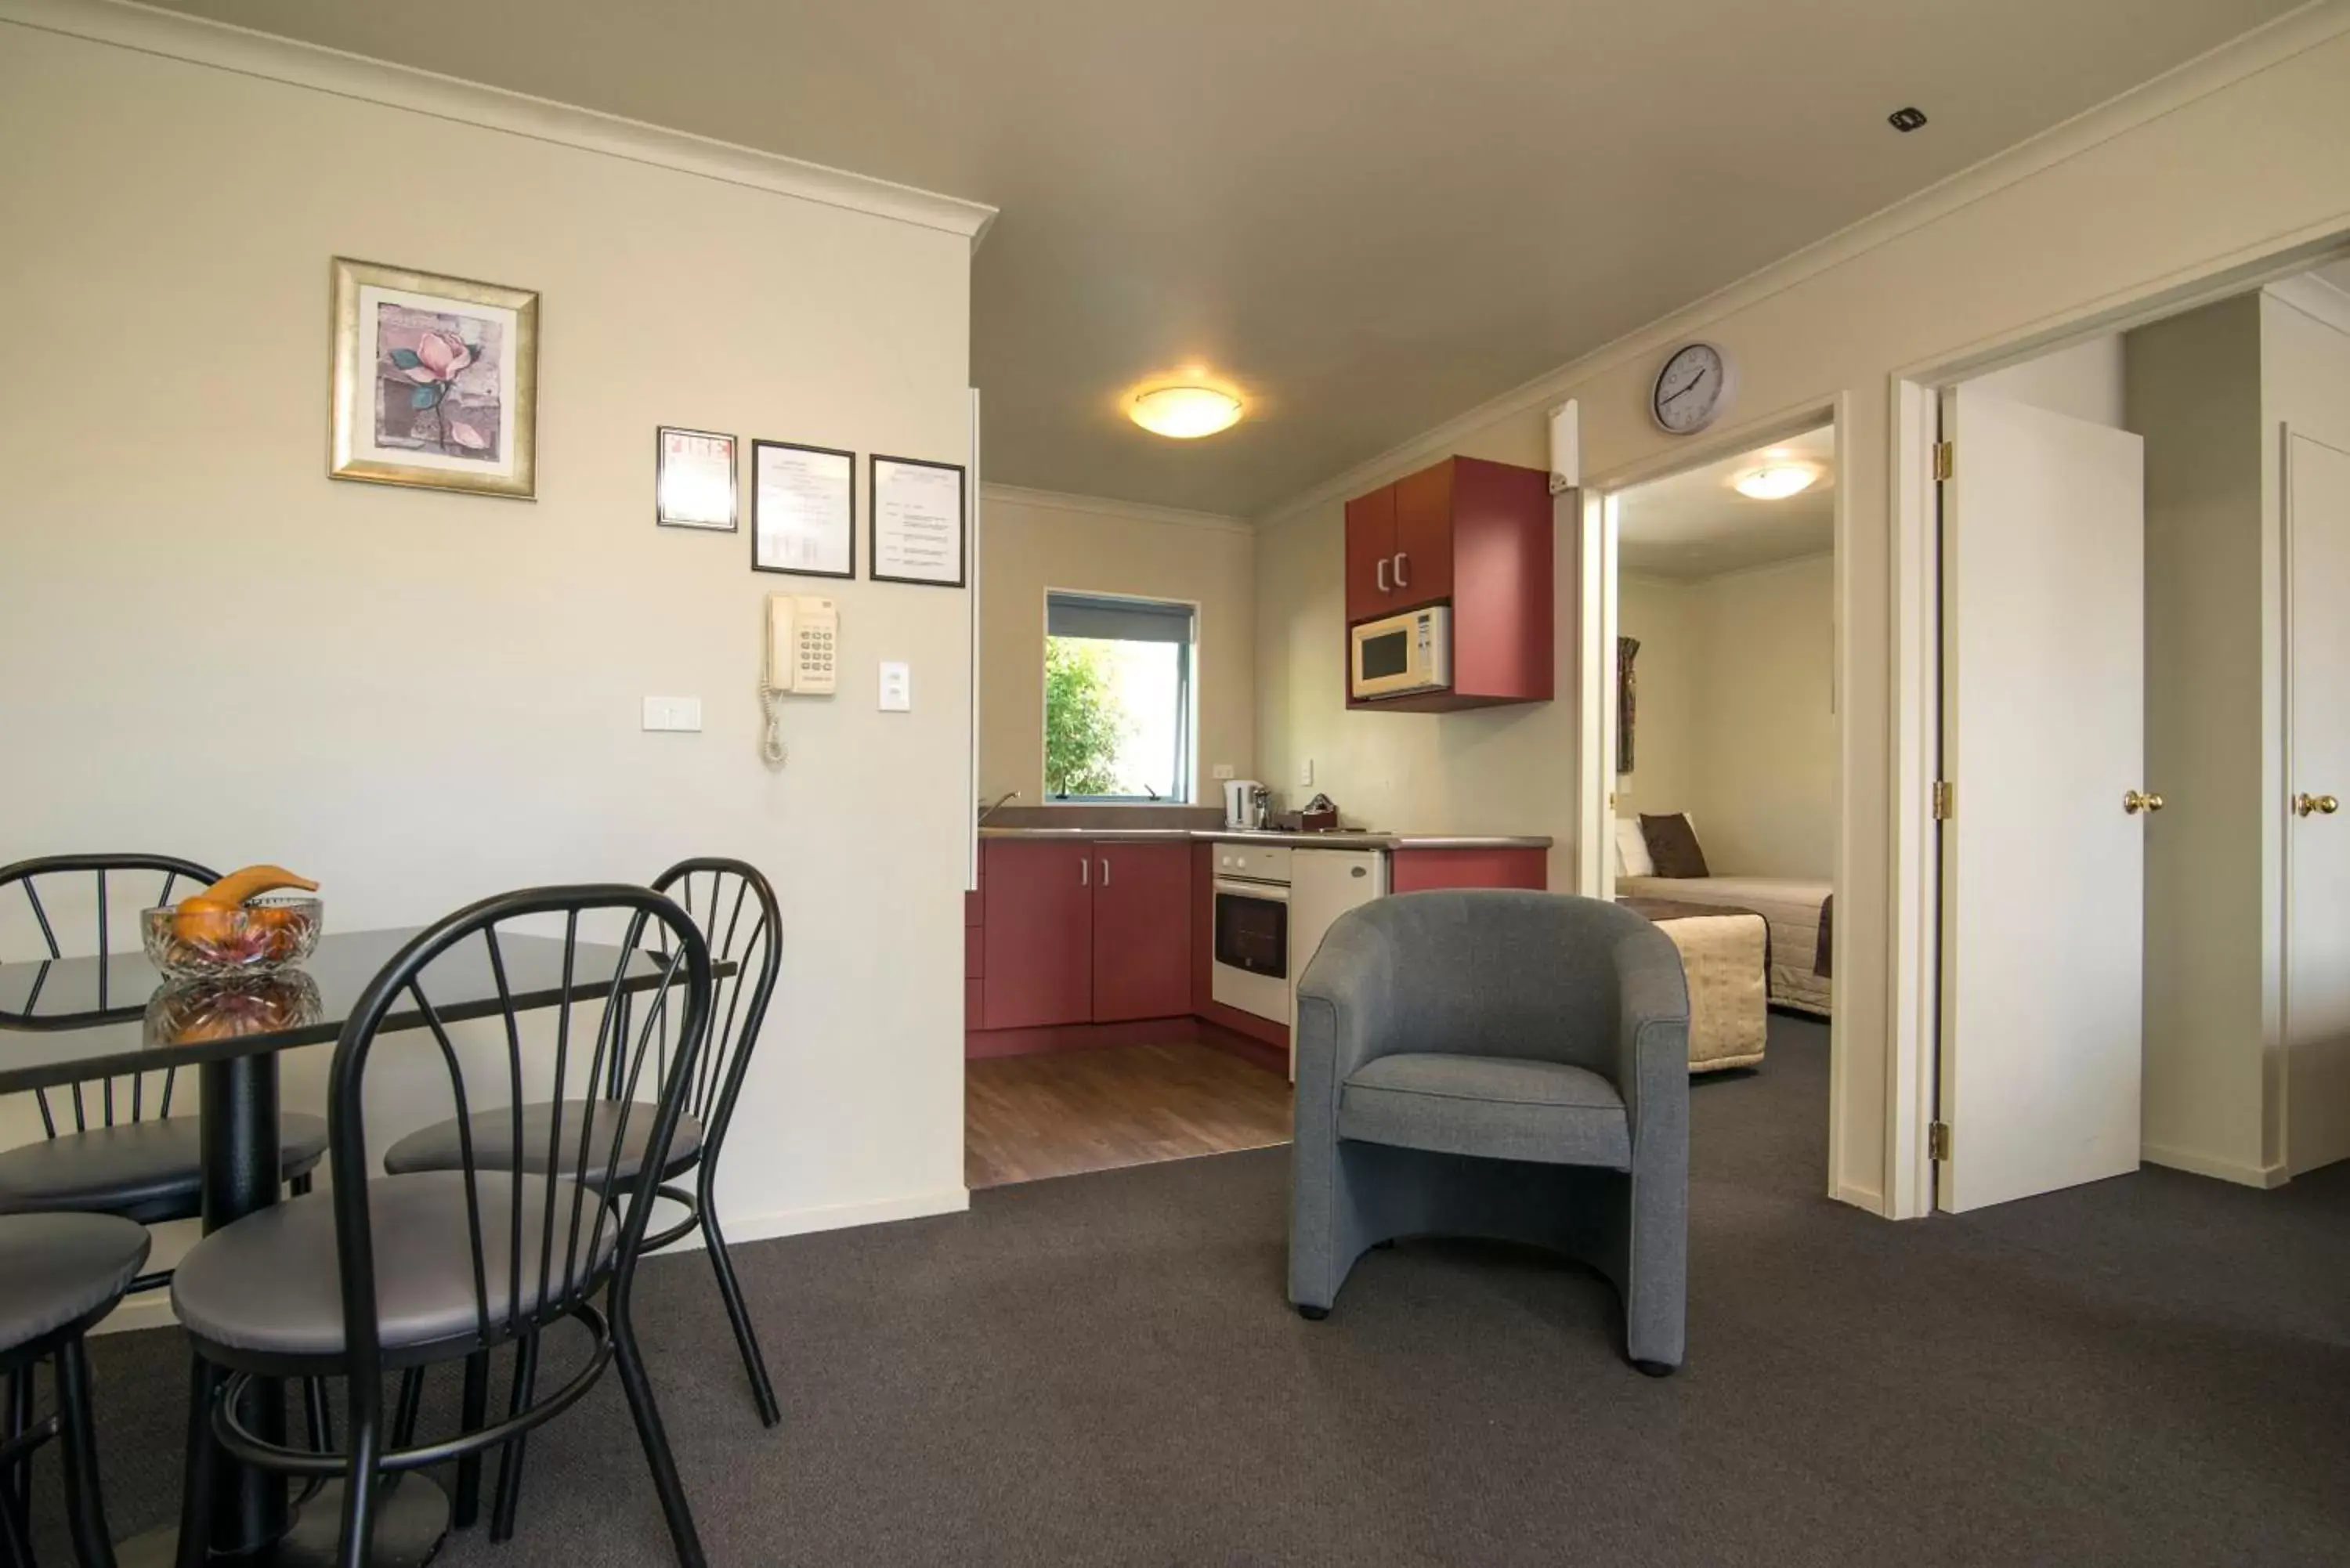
<point>2232,161</point>
<point>1737,721</point>
<point>2194,395</point>
<point>1034,541</point>
<point>2212,391</point>
<point>419,698</point>
<point>2084,380</point>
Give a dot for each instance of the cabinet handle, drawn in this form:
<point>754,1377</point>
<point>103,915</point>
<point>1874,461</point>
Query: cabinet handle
<point>1383,575</point>
<point>1105,871</point>
<point>1402,581</point>
<point>1085,871</point>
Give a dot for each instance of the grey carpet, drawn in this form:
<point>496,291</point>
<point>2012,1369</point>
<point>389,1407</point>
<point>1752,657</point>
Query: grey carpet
<point>1101,1369</point>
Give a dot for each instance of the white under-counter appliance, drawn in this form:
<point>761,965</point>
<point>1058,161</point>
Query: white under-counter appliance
<point>1250,970</point>
<point>1323,884</point>
<point>1400,653</point>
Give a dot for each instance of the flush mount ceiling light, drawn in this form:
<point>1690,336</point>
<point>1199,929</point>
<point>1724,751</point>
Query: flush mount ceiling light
<point>1777,481</point>
<point>1185,413</point>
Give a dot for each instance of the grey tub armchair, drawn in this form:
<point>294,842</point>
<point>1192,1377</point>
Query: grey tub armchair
<point>1507,1064</point>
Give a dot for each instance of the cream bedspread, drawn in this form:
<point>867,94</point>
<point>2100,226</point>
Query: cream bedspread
<point>1729,1015</point>
<point>1791,905</point>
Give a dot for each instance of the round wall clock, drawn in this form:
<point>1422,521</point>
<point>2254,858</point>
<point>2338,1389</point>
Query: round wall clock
<point>1691,390</point>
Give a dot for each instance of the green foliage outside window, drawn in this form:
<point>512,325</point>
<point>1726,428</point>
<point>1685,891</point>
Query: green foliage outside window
<point>1084,722</point>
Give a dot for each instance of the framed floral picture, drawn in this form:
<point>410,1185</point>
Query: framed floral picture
<point>435,381</point>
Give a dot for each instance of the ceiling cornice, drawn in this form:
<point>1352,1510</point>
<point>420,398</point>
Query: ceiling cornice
<point>2293,33</point>
<point>1125,511</point>
<point>2313,296</point>
<point>271,58</point>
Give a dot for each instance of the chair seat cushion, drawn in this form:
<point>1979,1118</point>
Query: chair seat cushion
<point>270,1282</point>
<point>154,1169</point>
<point>1498,1108</point>
<point>436,1148</point>
<point>57,1268</point>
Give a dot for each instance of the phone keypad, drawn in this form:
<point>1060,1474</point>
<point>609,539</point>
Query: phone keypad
<point>816,650</point>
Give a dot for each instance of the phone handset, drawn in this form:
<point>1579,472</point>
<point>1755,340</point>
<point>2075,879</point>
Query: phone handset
<point>803,656</point>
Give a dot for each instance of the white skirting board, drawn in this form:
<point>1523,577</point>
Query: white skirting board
<point>153,1309</point>
<point>2204,1164</point>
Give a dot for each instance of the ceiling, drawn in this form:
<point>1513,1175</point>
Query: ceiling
<point>1370,217</point>
<point>1693,525</point>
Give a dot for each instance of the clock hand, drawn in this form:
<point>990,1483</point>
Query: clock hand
<point>1685,391</point>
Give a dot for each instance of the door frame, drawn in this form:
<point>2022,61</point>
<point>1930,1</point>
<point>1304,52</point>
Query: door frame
<point>1597,572</point>
<point>1913,1069</point>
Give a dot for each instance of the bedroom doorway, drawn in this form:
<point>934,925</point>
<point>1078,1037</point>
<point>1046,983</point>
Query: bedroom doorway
<point>1719,810</point>
<point>2145,536</point>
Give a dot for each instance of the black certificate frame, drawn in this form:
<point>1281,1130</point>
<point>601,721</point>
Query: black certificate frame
<point>822,451</point>
<point>962,521</point>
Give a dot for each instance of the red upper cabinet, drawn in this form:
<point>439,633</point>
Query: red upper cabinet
<point>1142,931</point>
<point>1039,899</point>
<point>1477,537</point>
<point>1370,555</point>
<point>1422,571</point>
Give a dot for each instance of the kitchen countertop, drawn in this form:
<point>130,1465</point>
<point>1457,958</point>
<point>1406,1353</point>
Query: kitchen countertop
<point>1345,839</point>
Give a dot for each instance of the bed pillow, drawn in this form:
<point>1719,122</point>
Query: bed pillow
<point>1672,845</point>
<point>1632,850</point>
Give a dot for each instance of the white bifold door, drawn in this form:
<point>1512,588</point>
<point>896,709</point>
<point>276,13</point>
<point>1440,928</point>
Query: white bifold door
<point>2317,830</point>
<point>2043,858</point>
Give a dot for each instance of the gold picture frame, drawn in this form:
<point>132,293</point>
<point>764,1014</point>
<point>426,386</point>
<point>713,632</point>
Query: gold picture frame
<point>434,382</point>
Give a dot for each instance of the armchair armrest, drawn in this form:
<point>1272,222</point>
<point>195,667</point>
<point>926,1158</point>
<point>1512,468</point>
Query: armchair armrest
<point>1345,1001</point>
<point>1652,1065</point>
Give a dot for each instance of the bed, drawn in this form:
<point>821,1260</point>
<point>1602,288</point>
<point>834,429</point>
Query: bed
<point>1792,907</point>
<point>1724,954</point>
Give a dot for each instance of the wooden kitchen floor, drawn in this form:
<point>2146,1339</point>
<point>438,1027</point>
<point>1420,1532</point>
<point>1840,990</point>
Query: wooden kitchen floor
<point>1063,1112</point>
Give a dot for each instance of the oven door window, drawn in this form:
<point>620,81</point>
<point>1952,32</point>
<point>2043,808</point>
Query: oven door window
<point>1252,934</point>
<point>1383,654</point>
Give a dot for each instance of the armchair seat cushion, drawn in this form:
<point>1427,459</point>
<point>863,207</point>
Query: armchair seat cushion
<point>1495,1107</point>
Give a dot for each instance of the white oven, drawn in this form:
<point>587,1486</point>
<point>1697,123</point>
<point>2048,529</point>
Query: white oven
<point>1408,652</point>
<point>1251,970</point>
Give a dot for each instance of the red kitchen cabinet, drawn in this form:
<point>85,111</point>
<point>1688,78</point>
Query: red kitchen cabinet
<point>1141,931</point>
<point>1479,536</point>
<point>1038,939</point>
<point>1422,572</point>
<point>1370,554</point>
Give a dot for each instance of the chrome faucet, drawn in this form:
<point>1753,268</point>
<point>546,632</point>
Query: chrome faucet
<point>992,807</point>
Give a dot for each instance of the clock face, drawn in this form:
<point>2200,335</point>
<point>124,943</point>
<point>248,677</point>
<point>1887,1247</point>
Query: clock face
<point>1690,390</point>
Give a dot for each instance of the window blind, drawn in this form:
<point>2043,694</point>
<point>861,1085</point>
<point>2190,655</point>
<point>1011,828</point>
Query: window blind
<point>1122,621</point>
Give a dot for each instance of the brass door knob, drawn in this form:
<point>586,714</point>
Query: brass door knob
<point>2321,805</point>
<point>2136,801</point>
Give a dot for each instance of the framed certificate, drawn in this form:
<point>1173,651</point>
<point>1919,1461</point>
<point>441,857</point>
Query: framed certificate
<point>803,510</point>
<point>917,522</point>
<point>694,480</point>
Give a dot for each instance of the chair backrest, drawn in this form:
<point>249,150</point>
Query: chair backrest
<point>1495,971</point>
<point>548,1219</point>
<point>735,907</point>
<point>67,896</point>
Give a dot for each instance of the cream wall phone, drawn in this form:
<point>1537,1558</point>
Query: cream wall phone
<point>803,656</point>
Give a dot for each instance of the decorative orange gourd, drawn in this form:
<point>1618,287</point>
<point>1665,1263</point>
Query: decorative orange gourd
<point>209,920</point>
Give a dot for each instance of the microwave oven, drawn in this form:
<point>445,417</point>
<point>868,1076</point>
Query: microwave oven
<point>1408,652</point>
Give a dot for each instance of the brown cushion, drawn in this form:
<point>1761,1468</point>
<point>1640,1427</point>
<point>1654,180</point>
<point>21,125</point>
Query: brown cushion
<point>1673,844</point>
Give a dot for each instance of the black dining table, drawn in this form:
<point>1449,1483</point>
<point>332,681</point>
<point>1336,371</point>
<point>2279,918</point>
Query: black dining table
<point>79,1020</point>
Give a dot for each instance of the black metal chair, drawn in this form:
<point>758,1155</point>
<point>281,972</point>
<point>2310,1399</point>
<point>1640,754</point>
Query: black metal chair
<point>735,906</point>
<point>114,1149</point>
<point>403,1272</point>
<point>60,1275</point>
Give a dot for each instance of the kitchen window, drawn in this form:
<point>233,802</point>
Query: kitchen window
<point>1119,711</point>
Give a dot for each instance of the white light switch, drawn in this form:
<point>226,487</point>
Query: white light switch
<point>1305,773</point>
<point>1223,770</point>
<point>896,687</point>
<point>672,713</point>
